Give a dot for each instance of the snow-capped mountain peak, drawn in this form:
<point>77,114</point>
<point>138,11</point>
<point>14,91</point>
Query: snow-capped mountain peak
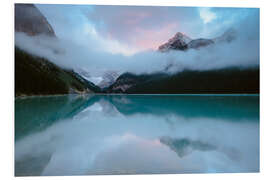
<point>182,42</point>
<point>179,41</point>
<point>180,36</point>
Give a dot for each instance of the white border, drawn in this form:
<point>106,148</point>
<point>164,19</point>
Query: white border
<point>210,3</point>
<point>7,84</point>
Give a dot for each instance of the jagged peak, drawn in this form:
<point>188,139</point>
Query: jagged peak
<point>182,36</point>
<point>182,42</point>
<point>179,40</point>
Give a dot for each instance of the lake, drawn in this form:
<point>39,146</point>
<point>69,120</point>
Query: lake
<point>136,134</point>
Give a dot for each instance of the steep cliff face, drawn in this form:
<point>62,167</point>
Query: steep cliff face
<point>29,19</point>
<point>36,75</point>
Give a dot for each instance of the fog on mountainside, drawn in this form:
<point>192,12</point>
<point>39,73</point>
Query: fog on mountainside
<point>242,52</point>
<point>237,47</point>
<point>35,75</point>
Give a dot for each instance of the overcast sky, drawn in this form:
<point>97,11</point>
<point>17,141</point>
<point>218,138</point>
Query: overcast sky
<point>131,29</point>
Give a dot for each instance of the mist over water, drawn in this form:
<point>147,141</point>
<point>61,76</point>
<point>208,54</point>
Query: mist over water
<point>84,135</point>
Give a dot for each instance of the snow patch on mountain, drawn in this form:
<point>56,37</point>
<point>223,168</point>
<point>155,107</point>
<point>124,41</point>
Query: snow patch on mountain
<point>104,80</point>
<point>182,42</point>
<point>179,41</point>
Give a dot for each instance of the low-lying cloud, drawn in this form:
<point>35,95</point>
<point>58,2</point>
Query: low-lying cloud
<point>242,52</point>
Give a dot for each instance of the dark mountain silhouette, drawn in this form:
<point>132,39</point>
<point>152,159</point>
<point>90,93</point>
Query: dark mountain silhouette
<point>227,80</point>
<point>38,76</point>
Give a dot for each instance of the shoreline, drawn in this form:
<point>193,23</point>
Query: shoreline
<point>122,94</point>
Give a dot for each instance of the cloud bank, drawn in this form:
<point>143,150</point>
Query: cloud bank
<point>96,55</point>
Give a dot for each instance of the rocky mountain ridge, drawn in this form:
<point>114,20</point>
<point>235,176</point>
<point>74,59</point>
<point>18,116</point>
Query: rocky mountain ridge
<point>182,42</point>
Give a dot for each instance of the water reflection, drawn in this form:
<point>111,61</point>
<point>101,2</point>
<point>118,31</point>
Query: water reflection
<point>79,135</point>
<point>184,146</point>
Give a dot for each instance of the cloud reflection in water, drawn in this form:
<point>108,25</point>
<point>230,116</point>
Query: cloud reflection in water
<point>137,134</point>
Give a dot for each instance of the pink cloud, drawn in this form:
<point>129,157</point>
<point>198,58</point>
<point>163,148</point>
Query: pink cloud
<point>142,27</point>
<point>151,39</point>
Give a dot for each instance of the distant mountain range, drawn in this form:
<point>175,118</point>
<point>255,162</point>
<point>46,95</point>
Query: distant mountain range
<point>105,80</point>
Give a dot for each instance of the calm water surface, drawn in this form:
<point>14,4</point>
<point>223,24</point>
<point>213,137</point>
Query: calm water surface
<point>136,134</point>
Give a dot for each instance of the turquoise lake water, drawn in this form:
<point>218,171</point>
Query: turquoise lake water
<point>136,134</point>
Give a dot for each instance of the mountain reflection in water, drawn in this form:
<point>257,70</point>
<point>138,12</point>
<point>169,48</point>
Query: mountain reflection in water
<point>136,134</point>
